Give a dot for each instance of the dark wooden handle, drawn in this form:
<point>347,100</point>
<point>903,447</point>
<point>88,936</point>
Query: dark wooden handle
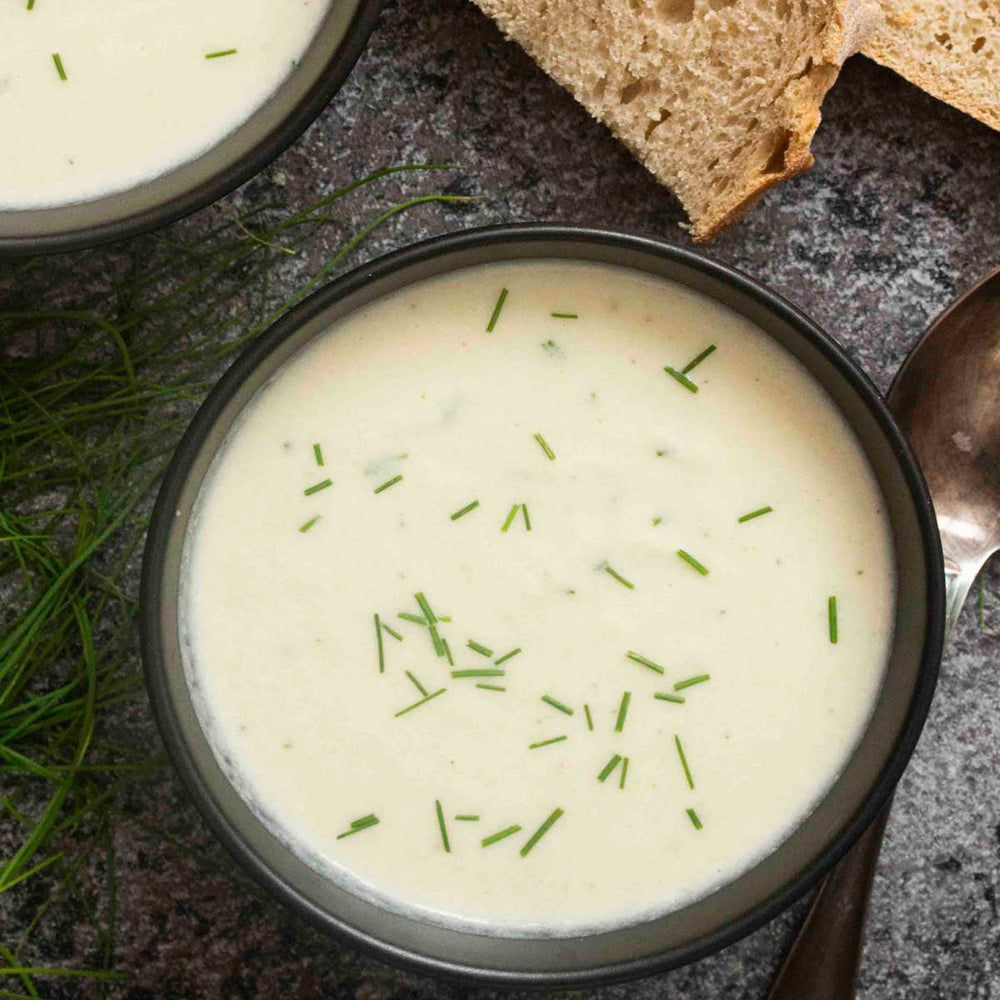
<point>825,956</point>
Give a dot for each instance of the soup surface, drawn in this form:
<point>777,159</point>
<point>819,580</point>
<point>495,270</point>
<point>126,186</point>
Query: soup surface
<point>627,632</point>
<point>98,96</point>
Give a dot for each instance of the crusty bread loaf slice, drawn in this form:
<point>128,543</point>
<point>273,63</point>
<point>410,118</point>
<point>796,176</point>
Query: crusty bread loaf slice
<point>951,48</point>
<point>718,98</point>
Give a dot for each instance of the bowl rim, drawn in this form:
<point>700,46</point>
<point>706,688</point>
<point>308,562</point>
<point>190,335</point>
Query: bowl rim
<point>227,176</point>
<point>525,235</point>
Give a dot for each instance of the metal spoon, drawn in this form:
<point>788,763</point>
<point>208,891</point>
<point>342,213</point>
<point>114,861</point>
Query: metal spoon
<point>946,398</point>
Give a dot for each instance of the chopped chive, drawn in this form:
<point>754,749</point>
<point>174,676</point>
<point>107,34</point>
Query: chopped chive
<point>365,823</point>
<point>657,521</point>
<point>590,721</point>
<point>387,484</point>
<point>541,831</point>
<point>467,818</point>
<point>485,672</point>
<point>692,562</point>
<point>318,454</point>
<point>305,527</point>
<point>447,651</point>
<point>444,829</point>
<point>691,681</point>
<point>220,53</point>
<point>694,362</point>
<point>416,683</point>
<point>410,617</point>
<point>392,632</point>
<point>609,767</point>
<point>491,687</point>
<point>693,816</point>
<point>831,614</point>
<point>496,310</point>
<point>510,517</point>
<point>507,656</point>
<point>564,315</point>
<point>619,577</point>
<point>759,512</point>
<point>417,704</point>
<point>639,658</point>
<point>682,378</point>
<point>381,650</point>
<point>31,4</point>
<point>315,488</point>
<point>623,711</point>
<point>549,700</point>
<point>621,780</point>
<point>544,445</point>
<point>479,648</point>
<point>545,743</point>
<point>500,835</point>
<point>57,59</point>
<point>465,510</point>
<point>444,618</point>
<point>425,607</point>
<point>436,639</point>
<point>684,763</point>
<point>527,520</point>
<point>663,696</point>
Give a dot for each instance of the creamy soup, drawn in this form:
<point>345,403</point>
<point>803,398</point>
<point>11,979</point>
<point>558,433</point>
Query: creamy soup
<point>98,96</point>
<point>539,597</point>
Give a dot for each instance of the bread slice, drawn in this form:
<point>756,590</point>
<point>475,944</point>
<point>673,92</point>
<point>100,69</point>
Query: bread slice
<point>718,98</point>
<point>951,48</point>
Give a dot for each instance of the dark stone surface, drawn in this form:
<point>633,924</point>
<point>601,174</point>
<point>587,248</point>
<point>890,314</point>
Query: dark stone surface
<point>900,213</point>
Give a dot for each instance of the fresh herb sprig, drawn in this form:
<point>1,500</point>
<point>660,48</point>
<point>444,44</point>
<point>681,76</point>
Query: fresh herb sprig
<point>97,386</point>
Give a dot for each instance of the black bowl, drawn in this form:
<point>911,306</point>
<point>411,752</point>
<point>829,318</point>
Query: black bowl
<point>274,126</point>
<point>701,927</point>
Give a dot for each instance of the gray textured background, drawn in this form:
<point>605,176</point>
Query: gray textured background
<point>900,213</point>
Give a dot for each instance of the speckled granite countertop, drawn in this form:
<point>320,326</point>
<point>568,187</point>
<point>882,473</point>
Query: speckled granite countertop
<point>901,212</point>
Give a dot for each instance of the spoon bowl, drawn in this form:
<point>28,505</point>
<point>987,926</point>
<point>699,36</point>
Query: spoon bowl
<point>946,398</point>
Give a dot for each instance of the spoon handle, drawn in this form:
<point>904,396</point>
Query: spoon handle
<point>958,580</point>
<point>825,956</point>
